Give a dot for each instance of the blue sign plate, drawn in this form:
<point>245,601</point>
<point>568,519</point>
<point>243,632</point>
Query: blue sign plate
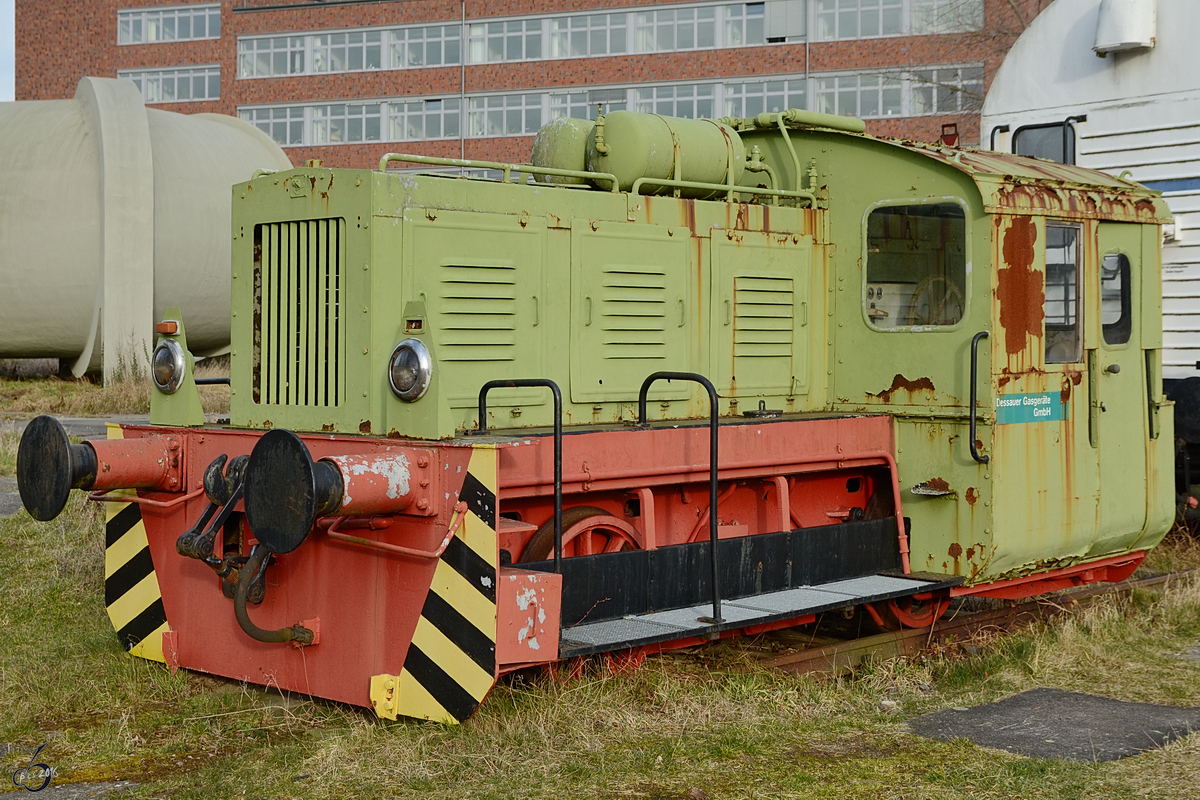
<point>1043,407</point>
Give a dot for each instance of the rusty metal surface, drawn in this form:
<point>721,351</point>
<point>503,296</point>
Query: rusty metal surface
<point>1020,184</point>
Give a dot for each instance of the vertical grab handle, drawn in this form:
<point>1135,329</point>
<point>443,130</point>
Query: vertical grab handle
<point>558,438</point>
<point>974,394</point>
<point>715,619</point>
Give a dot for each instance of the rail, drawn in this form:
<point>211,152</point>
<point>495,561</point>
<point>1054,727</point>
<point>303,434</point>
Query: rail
<point>553,387</point>
<point>507,169</point>
<point>729,189</point>
<point>713,499</point>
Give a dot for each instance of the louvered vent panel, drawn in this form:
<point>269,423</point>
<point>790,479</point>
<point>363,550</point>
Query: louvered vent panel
<point>299,327</point>
<point>478,313</point>
<point>633,311</point>
<point>763,323</point>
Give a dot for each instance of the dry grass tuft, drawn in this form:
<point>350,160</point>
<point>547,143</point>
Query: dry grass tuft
<point>129,394</point>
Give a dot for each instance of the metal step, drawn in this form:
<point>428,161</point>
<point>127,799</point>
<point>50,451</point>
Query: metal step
<point>682,623</point>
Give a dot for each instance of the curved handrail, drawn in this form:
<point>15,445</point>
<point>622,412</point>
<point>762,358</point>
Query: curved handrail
<point>974,394</point>
<point>712,469</point>
<point>553,387</point>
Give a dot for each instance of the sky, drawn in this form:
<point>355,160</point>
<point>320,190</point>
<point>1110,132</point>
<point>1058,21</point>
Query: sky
<point>7,27</point>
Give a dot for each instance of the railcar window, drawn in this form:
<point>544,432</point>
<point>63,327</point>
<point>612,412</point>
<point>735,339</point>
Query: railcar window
<point>1116,304</point>
<point>916,265</point>
<point>1046,141</point>
<point>1063,331</point>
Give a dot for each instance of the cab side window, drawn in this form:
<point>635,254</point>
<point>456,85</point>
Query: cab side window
<point>1116,303</point>
<point>916,266</point>
<point>1064,334</point>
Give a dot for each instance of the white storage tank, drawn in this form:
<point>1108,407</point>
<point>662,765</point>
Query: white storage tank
<point>110,213</point>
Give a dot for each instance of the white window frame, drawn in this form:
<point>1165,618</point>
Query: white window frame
<point>150,77</point>
<point>511,114</point>
<point>395,46</point>
<point>142,18</point>
<point>830,18</point>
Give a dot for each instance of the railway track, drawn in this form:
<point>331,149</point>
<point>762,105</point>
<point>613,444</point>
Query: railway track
<point>826,655</point>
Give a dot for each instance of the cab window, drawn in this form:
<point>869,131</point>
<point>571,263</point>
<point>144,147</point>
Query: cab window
<point>916,266</point>
<point>1064,334</point>
<point>1116,304</point>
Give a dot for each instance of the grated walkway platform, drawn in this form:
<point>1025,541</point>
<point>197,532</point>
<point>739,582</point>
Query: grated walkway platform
<point>661,626</point>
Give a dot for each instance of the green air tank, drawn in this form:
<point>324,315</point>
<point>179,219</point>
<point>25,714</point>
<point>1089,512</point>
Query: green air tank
<point>632,146</point>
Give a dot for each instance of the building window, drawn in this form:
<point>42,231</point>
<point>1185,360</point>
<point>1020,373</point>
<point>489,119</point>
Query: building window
<point>176,85</point>
<point>262,58</point>
<point>862,19</point>
<point>346,122</point>
<point>947,90</point>
<point>865,95</point>
<point>514,40</point>
<point>693,101</point>
<point>677,29</point>
<point>591,35</point>
<point>752,99</point>
<point>584,105</point>
<point>946,16</point>
<point>852,19</point>
<point>504,115</point>
<point>744,25</point>
<point>150,25</point>
<point>424,119</point>
<point>523,113</point>
<point>347,52</point>
<point>284,124</point>
<point>430,46</point>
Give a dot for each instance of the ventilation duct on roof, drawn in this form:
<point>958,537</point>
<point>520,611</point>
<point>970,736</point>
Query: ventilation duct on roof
<point>1125,25</point>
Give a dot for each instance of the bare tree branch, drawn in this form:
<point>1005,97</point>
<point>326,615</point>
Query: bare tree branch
<point>1020,17</point>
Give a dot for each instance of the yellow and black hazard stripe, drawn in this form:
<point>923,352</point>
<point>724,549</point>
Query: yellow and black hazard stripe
<point>451,661</point>
<point>131,594</point>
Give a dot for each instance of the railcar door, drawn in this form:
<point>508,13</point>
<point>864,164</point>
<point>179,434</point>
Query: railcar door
<point>1045,468</point>
<point>1118,426</point>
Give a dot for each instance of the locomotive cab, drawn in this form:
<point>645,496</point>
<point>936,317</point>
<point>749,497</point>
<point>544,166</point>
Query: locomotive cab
<point>699,377</point>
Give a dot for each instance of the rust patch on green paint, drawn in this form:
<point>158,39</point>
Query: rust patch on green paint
<point>955,550</point>
<point>972,497</point>
<point>364,426</point>
<point>1020,289</point>
<point>900,382</point>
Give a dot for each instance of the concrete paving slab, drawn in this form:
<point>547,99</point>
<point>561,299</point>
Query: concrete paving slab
<point>1051,723</point>
<point>10,499</point>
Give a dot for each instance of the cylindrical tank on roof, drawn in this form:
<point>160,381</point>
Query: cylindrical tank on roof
<point>112,212</point>
<point>633,146</point>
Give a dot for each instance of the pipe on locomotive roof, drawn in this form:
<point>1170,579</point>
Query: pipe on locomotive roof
<point>810,119</point>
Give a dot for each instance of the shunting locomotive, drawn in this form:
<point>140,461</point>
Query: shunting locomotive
<point>675,380</point>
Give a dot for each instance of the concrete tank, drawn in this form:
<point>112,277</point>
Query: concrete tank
<point>110,213</point>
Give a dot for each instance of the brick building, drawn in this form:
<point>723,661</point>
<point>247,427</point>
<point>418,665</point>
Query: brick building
<point>346,80</point>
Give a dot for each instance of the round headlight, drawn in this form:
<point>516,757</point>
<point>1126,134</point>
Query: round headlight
<point>409,369</point>
<point>168,366</point>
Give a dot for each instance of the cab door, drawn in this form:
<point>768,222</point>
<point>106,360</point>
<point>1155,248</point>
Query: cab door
<point>1117,385</point>
<point>1044,466</point>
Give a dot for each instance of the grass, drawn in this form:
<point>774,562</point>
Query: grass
<point>128,394</point>
<point>708,723</point>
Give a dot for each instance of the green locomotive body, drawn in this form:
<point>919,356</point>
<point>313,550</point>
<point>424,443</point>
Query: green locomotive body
<point>772,298</point>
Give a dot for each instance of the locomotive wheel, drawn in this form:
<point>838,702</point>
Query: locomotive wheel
<point>906,613</point>
<point>587,531</point>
